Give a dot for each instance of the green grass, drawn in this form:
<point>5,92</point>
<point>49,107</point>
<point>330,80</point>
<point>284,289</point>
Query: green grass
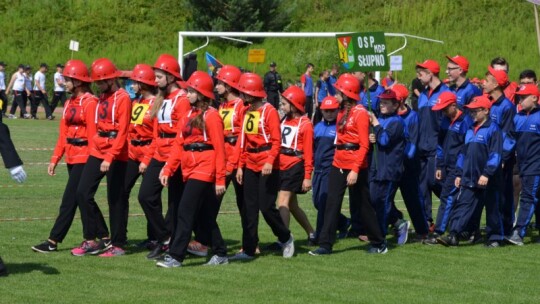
<point>413,273</point>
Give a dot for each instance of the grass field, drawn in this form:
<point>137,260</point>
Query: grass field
<point>413,273</point>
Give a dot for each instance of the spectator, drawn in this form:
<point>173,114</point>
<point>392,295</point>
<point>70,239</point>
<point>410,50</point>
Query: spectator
<point>40,93</point>
<point>3,97</point>
<point>59,88</point>
<point>273,85</point>
<point>321,91</point>
<point>307,86</point>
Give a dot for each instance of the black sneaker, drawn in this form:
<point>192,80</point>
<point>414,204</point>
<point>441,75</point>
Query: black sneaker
<point>448,240</point>
<point>104,245</point>
<point>3,269</point>
<point>157,252</point>
<point>320,251</point>
<point>492,244</point>
<point>313,241</point>
<point>50,117</point>
<point>276,246</point>
<point>148,244</point>
<point>430,239</point>
<point>378,249</point>
<point>476,238</point>
<point>45,247</point>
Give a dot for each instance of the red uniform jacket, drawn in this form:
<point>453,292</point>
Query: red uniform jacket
<point>208,165</point>
<point>297,134</point>
<point>77,123</point>
<point>112,115</point>
<point>260,128</point>
<point>510,91</point>
<point>232,114</point>
<point>141,127</point>
<point>356,131</point>
<point>174,107</point>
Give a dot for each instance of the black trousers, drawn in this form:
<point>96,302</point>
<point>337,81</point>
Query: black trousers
<point>132,175</point>
<point>260,194</point>
<point>58,96</point>
<point>4,99</point>
<point>19,100</point>
<point>150,199</point>
<point>202,235</point>
<point>198,197</point>
<point>68,208</point>
<point>38,98</point>
<point>90,213</point>
<point>273,98</point>
<point>337,183</point>
<point>309,106</point>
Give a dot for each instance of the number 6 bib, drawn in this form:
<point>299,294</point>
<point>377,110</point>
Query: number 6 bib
<point>251,122</point>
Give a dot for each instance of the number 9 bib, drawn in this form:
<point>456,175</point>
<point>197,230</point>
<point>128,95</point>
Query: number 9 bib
<point>251,122</point>
<point>137,113</point>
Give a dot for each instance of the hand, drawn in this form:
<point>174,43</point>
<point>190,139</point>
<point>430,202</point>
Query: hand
<point>266,169</point>
<point>457,182</point>
<point>164,179</point>
<point>43,92</point>
<point>373,119</point>
<point>372,138</point>
<point>351,178</point>
<point>220,190</point>
<point>240,176</point>
<point>306,185</point>
<point>105,165</point>
<point>142,168</point>
<point>18,174</point>
<point>483,180</point>
<point>438,174</point>
<point>228,173</point>
<point>50,169</point>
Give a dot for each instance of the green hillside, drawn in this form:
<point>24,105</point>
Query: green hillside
<point>133,31</point>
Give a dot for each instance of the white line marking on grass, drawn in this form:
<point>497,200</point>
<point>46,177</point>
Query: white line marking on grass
<point>35,149</point>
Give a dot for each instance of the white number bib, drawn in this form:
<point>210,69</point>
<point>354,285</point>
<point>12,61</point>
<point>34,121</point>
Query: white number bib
<point>288,134</point>
<point>164,114</point>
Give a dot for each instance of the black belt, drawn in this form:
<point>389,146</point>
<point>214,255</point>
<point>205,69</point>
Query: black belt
<point>167,135</point>
<point>77,141</point>
<point>110,134</point>
<point>259,149</point>
<point>348,147</point>
<point>137,142</point>
<point>198,147</point>
<point>231,139</point>
<point>291,152</point>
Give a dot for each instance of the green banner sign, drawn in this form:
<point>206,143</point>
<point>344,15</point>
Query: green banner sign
<point>363,52</point>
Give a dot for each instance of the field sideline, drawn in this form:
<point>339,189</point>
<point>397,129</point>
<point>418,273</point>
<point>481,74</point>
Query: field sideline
<point>413,273</point>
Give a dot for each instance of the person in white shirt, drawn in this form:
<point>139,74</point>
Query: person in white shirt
<point>17,83</point>
<point>3,96</point>
<point>59,88</point>
<point>39,94</point>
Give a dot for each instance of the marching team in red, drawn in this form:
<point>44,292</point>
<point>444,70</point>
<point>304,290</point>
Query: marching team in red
<point>461,144</point>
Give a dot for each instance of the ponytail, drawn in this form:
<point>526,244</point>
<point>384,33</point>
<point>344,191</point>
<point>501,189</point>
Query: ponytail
<point>347,104</point>
<point>198,121</point>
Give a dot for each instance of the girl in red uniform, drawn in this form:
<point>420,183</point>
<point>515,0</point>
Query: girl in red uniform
<point>170,105</point>
<point>350,169</point>
<point>295,159</point>
<point>230,110</point>
<point>108,157</point>
<point>77,128</point>
<point>141,129</point>
<point>201,150</point>
<point>258,168</point>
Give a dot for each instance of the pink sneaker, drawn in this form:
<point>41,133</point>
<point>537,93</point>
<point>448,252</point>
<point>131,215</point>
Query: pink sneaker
<point>112,252</point>
<point>197,249</point>
<point>87,247</point>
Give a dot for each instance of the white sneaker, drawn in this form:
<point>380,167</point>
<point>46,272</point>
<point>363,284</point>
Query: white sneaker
<point>11,116</point>
<point>169,262</point>
<point>217,260</point>
<point>288,248</point>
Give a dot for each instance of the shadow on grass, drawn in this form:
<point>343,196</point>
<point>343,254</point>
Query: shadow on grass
<point>21,268</point>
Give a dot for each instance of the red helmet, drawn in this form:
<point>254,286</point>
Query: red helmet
<point>103,69</point>
<point>202,83</point>
<point>144,73</point>
<point>296,97</point>
<point>168,64</point>
<point>251,84</point>
<point>76,69</point>
<point>348,85</point>
<point>401,91</point>
<point>230,75</point>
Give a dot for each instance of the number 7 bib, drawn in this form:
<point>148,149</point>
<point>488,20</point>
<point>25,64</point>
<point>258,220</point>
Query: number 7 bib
<point>251,122</point>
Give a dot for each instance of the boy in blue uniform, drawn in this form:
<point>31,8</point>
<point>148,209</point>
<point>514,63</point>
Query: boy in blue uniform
<point>478,175</point>
<point>527,134</point>
<point>387,164</point>
<point>409,183</point>
<point>430,121</point>
<point>454,126</point>
<point>323,155</point>
<point>374,90</point>
<point>465,91</point>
